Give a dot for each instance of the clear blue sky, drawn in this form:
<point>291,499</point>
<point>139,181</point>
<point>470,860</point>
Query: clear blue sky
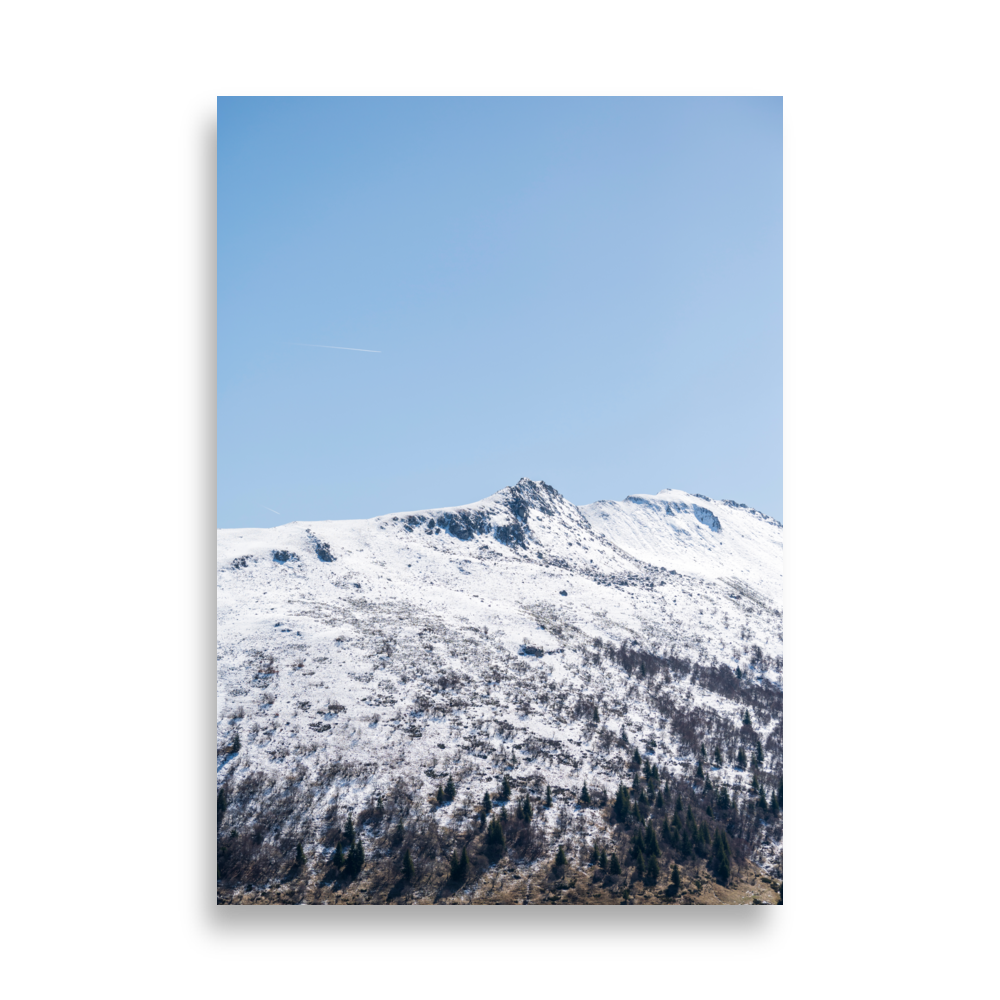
<point>585,291</point>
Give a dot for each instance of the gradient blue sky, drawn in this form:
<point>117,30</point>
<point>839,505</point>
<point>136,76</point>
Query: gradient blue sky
<point>585,291</point>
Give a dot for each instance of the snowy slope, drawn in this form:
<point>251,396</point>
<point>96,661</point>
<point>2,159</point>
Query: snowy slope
<point>466,640</point>
<point>717,539</point>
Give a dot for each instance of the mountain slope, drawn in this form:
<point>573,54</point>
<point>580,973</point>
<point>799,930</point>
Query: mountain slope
<point>365,661</point>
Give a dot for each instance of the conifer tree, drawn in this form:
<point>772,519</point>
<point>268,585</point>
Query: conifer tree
<point>338,857</point>
<point>300,857</point>
<point>487,802</point>
<point>439,795</point>
<point>585,794</point>
<point>636,759</point>
<point>449,790</point>
<point>496,842</point>
<point>700,772</point>
<point>604,859</point>
<point>615,865</point>
<point>597,717</point>
<point>622,806</point>
<point>741,759</point>
<point>236,742</point>
<point>560,857</point>
<point>398,833</point>
<point>221,802</point>
<point>659,800</point>
<point>652,871</point>
<point>640,866</point>
<point>746,718</point>
<point>718,757</point>
<point>702,752</point>
<point>505,789</point>
<point>408,866</point>
<point>459,866</point>
<point>595,856</point>
<point>675,879</point>
<point>760,754</point>
<point>651,846</point>
<point>349,830</point>
<point>355,860</point>
<point>548,797</point>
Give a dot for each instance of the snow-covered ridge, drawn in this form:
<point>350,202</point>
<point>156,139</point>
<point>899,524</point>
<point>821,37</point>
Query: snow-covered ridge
<point>467,640</point>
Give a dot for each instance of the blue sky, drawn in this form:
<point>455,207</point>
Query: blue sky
<point>585,291</point>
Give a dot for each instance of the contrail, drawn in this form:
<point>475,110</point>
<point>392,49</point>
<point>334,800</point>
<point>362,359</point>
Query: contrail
<point>329,348</point>
<point>273,511</point>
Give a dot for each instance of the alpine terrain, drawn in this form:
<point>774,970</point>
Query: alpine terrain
<point>513,701</point>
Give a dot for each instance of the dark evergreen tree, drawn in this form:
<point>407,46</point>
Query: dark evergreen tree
<point>722,801</point>
<point>702,753</point>
<point>615,866</point>
<point>595,856</point>
<point>349,830</point>
<point>760,754</point>
<point>524,811</point>
<point>355,860</point>
<point>597,717</point>
<point>505,789</point>
<point>781,792</point>
<point>622,806</point>
<point>604,859</point>
<point>459,866</point>
<point>774,803</point>
<point>718,757</point>
<point>548,797</point>
<point>675,879</point>
<point>652,871</point>
<point>700,772</point>
<point>496,842</point>
<point>741,759</point>
<point>408,866</point>
<point>439,795</point>
<point>237,745</point>
<point>721,857</point>
<point>300,857</point>
<point>640,866</point>
<point>746,718</point>
<point>338,857</point>
<point>398,834</point>
<point>651,845</point>
<point>221,802</point>
<point>585,794</point>
<point>636,759</point>
<point>487,802</point>
<point>560,857</point>
<point>449,790</point>
<point>659,800</point>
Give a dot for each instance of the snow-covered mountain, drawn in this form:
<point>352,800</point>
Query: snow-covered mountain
<point>356,656</point>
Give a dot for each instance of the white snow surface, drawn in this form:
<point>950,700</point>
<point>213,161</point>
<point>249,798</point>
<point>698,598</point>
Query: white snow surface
<point>459,641</point>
